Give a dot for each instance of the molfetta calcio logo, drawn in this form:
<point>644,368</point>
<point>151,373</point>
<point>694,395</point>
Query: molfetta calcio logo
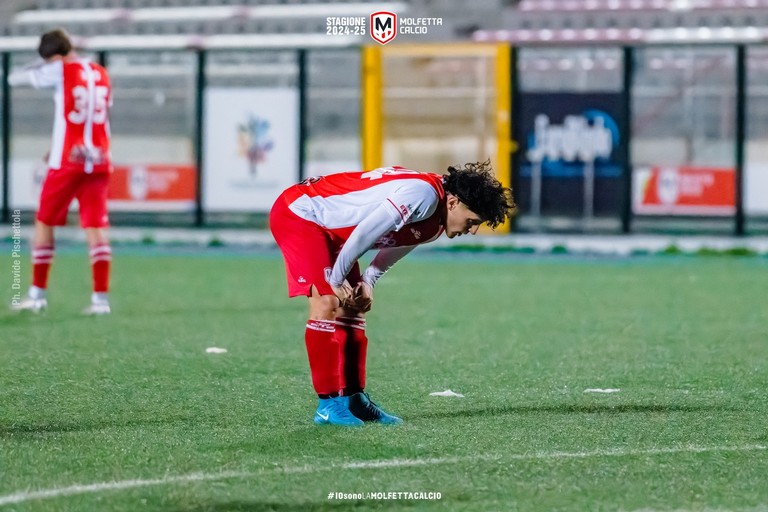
<point>383,26</point>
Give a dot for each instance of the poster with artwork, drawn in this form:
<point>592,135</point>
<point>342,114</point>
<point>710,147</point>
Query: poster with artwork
<point>251,147</point>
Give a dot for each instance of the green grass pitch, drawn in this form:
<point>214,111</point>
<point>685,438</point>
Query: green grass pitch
<point>129,413</point>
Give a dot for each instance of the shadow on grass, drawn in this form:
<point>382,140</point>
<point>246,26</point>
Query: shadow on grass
<point>31,430</point>
<point>576,409</point>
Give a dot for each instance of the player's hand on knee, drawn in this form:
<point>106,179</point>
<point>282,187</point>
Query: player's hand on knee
<point>344,293</point>
<point>362,297</point>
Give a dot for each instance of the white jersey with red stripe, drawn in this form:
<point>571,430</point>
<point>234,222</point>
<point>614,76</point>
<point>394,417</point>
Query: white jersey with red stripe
<point>82,97</point>
<point>340,202</point>
<point>392,209</point>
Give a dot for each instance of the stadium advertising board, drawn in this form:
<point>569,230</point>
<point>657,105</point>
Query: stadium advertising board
<point>25,180</point>
<point>152,188</point>
<point>684,190</point>
<point>251,147</point>
<point>755,186</point>
<point>564,137</point>
<point>131,188</point>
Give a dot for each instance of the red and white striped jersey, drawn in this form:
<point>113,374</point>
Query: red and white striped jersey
<point>82,97</point>
<point>340,202</point>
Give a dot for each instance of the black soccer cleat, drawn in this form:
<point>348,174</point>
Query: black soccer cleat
<point>361,405</point>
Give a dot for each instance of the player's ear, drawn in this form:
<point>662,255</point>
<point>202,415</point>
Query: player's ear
<point>451,201</point>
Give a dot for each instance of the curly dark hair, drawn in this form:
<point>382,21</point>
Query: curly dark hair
<point>476,186</point>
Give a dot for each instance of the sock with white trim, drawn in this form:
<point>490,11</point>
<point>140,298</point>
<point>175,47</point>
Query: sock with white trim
<point>101,259</point>
<point>354,349</point>
<point>42,257</point>
<point>323,354</point>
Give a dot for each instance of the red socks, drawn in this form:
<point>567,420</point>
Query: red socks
<point>323,352</point>
<point>101,258</point>
<point>42,256</point>
<point>354,348</point>
<point>337,353</point>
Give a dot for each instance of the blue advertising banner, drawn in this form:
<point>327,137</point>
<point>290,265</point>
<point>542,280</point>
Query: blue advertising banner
<point>570,141</point>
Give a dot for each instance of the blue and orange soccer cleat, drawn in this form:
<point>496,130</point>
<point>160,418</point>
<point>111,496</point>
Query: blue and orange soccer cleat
<point>335,411</point>
<point>361,405</point>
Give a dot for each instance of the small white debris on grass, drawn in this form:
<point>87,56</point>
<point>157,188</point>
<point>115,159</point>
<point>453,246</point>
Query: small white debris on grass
<point>601,390</point>
<point>447,392</point>
<point>215,350</point>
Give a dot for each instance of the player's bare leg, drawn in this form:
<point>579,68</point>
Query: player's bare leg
<point>324,362</point>
<point>36,300</point>
<point>101,258</point>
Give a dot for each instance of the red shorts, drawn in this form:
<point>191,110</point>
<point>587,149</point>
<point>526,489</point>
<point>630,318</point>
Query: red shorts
<point>62,186</point>
<point>308,250</point>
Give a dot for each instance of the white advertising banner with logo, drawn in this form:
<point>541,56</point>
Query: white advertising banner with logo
<point>756,189</point>
<point>251,147</point>
<point>26,179</point>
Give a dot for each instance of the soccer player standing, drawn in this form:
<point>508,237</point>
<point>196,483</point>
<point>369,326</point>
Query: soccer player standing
<point>79,163</point>
<point>324,225</point>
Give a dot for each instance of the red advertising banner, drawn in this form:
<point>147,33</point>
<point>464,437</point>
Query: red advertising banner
<point>684,190</point>
<point>152,187</point>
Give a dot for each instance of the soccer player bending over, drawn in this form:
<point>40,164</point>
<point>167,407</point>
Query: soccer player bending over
<point>324,225</point>
<point>78,165</point>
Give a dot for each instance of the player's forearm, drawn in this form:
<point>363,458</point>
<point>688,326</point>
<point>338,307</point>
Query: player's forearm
<point>27,75</point>
<point>383,261</point>
<point>357,244</point>
<point>21,77</point>
<point>362,238</point>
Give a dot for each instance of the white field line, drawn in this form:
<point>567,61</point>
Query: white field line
<point>23,496</point>
<point>757,508</point>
